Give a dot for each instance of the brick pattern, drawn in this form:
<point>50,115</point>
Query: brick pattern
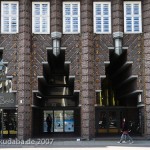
<point>101,43</point>
<point>117,15</point>
<point>134,43</point>
<point>72,54</point>
<point>146,24</point>
<point>56,15</point>
<point>87,53</point>
<point>24,70</point>
<point>39,55</point>
<point>87,96</point>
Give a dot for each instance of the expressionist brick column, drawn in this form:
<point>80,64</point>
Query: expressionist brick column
<point>117,15</point>
<point>146,25</point>
<point>24,87</point>
<point>87,71</point>
<point>56,15</point>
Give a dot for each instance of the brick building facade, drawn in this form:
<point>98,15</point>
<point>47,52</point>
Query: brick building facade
<point>100,82</point>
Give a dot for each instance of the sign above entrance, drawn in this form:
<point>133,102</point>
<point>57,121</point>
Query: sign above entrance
<point>7,100</point>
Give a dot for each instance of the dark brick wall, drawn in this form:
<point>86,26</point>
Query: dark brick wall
<point>39,55</point>
<point>86,51</point>
<point>134,42</point>
<point>146,60</point>
<point>101,44</point>
<point>72,54</point>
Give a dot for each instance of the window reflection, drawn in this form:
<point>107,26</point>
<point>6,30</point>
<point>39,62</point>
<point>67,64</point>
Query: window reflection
<point>102,120</point>
<point>112,119</point>
<point>5,84</point>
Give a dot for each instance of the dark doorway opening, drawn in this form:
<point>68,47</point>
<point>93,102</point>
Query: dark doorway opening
<point>118,97</point>
<point>56,96</point>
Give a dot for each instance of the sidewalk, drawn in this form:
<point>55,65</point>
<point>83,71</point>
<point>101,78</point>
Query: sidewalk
<point>50,143</point>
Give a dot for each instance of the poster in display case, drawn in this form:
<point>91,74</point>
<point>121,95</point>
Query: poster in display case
<point>69,121</point>
<point>58,121</point>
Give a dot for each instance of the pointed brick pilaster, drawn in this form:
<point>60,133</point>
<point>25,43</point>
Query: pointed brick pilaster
<point>56,16</point>
<point>87,71</point>
<point>117,16</point>
<point>146,25</point>
<point>24,86</point>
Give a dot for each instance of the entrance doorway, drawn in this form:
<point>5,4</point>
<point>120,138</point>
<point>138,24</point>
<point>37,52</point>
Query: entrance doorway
<point>56,96</point>
<point>8,123</point>
<point>118,97</point>
<point>65,122</point>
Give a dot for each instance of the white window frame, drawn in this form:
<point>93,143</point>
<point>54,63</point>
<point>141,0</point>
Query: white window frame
<point>10,17</point>
<point>41,16</point>
<point>102,16</point>
<point>132,16</point>
<point>71,32</point>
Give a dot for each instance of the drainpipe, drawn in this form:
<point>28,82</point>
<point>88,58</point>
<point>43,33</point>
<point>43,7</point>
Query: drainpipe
<point>118,42</point>
<point>56,36</point>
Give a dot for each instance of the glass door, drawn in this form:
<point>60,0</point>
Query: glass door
<point>113,121</point>
<point>102,122</point>
<point>69,121</point>
<point>58,121</point>
<point>62,120</point>
<point>108,122</point>
<point>45,127</point>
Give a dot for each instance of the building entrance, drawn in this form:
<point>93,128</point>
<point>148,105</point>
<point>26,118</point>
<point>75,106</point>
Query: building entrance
<point>119,97</point>
<point>56,97</point>
<point>8,123</point>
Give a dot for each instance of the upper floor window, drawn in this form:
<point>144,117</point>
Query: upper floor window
<point>102,17</point>
<point>9,17</point>
<point>40,18</point>
<point>132,17</point>
<point>71,17</point>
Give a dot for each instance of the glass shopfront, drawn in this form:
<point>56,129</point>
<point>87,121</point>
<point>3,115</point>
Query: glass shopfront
<point>109,120</point>
<point>8,123</point>
<point>62,120</point>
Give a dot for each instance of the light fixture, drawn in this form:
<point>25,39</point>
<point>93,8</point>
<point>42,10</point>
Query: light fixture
<point>38,96</point>
<point>56,42</point>
<point>21,101</point>
<point>118,42</point>
<point>139,98</point>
